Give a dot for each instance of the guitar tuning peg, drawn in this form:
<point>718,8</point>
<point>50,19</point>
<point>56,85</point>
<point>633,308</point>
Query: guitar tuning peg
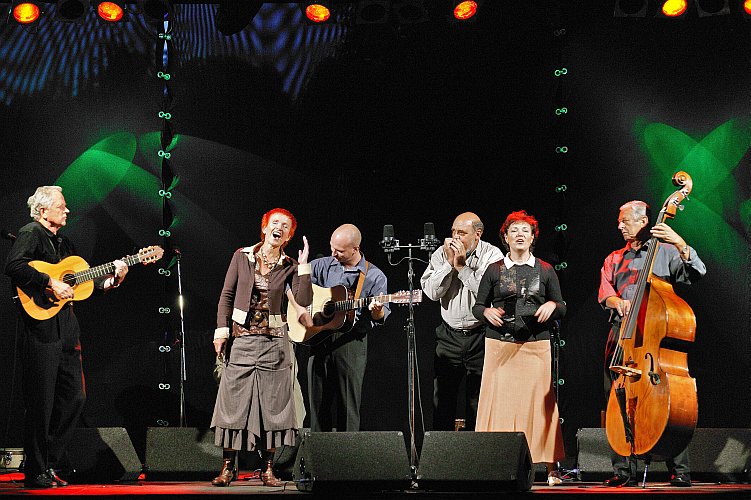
<point>681,207</point>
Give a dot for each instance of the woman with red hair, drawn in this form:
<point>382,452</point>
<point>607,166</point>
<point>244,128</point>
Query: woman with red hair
<point>255,407</point>
<point>518,298</point>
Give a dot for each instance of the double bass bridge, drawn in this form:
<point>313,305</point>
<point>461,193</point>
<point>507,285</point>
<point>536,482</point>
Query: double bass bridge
<point>626,370</point>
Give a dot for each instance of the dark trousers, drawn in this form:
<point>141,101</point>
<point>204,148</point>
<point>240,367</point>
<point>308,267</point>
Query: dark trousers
<point>336,369</point>
<point>626,466</point>
<point>457,355</point>
<point>53,392</point>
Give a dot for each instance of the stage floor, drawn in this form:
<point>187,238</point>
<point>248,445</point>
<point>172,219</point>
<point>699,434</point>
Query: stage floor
<point>249,485</point>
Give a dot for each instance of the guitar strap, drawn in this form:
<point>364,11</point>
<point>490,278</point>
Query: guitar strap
<point>360,281</point>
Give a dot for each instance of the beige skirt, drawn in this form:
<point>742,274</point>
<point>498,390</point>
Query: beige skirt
<point>516,395</point>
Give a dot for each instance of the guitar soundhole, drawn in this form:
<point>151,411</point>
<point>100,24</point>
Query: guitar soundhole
<point>328,309</point>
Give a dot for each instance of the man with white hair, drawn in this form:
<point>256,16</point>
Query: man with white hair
<point>51,352</point>
<point>675,262</point>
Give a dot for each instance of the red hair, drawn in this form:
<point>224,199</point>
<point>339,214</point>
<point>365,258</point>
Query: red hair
<point>267,216</point>
<point>516,217</point>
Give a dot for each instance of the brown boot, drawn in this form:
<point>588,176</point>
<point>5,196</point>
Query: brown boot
<point>268,477</point>
<point>227,474</point>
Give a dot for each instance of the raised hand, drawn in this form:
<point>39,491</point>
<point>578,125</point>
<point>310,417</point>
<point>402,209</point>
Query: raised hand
<point>302,255</point>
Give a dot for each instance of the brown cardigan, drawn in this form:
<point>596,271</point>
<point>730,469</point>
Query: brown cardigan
<point>234,301</point>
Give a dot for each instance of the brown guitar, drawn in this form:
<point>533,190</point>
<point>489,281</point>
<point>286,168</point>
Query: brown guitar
<point>75,272</point>
<point>334,309</point>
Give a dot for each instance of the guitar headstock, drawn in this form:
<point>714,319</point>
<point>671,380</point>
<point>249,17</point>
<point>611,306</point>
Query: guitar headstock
<point>149,255</point>
<point>402,297</point>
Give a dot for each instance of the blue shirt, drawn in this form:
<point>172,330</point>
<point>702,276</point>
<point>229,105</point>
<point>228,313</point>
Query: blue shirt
<point>328,272</point>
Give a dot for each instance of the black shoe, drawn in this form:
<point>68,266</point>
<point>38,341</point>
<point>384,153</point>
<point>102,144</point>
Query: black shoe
<point>43,480</point>
<point>620,480</point>
<point>681,481</point>
<point>52,473</point>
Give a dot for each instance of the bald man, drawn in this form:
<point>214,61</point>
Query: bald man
<point>336,367</point>
<point>453,277</point>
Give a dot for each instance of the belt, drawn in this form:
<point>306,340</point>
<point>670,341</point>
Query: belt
<point>460,331</point>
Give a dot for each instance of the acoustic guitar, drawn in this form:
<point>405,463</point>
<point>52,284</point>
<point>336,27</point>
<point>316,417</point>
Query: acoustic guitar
<point>334,309</point>
<point>75,272</point>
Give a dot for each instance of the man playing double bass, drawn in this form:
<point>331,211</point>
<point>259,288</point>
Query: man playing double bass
<point>675,262</point>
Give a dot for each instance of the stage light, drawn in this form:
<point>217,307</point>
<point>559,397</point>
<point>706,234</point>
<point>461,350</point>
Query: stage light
<point>465,10</point>
<point>372,12</point>
<point>673,8</point>
<point>234,15</point>
<point>156,10</point>
<point>26,13</point>
<point>410,11</point>
<point>111,12</point>
<point>71,11</point>
<point>316,12</point>
<point>707,8</point>
<point>630,8</point>
<point>747,7</point>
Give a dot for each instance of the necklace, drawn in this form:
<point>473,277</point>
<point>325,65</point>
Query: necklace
<point>266,261</point>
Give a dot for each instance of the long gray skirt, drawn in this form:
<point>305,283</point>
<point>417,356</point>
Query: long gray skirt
<point>255,406</point>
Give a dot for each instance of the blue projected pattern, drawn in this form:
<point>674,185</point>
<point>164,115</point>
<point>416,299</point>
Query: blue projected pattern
<point>69,55</point>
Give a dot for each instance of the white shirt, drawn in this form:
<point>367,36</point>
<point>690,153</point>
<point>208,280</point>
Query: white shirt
<point>457,290</point>
<point>510,263</point>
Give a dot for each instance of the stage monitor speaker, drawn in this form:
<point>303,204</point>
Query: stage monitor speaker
<point>722,455</point>
<point>181,454</point>
<point>361,461</point>
<point>475,461</point>
<point>102,455</point>
<point>594,460</point>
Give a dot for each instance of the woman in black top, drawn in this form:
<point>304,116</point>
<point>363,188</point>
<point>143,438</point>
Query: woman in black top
<point>518,298</point>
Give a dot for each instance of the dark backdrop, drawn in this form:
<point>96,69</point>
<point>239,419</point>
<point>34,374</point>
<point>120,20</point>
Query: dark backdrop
<point>414,125</point>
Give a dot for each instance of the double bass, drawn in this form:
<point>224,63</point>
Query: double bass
<point>652,406</point>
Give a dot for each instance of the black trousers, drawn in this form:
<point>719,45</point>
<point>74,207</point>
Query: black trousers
<point>53,388</point>
<point>457,356</point>
<point>626,466</point>
<point>336,370</point>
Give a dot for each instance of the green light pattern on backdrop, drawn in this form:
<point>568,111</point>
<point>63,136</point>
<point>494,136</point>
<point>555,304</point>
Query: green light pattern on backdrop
<point>106,166</point>
<point>716,199</point>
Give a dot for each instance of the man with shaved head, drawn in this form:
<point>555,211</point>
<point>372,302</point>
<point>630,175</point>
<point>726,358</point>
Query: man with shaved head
<point>336,367</point>
<point>453,277</point>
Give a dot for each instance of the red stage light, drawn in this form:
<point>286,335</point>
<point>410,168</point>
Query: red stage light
<point>747,7</point>
<point>465,10</point>
<point>674,8</point>
<point>110,11</point>
<point>26,12</point>
<point>318,13</point>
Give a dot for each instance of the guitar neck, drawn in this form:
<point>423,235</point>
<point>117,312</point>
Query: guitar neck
<point>348,305</point>
<point>104,269</point>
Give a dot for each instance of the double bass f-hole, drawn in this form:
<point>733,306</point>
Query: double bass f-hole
<point>654,377</point>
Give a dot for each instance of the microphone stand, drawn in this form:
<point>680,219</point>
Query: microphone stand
<point>390,245</point>
<point>183,368</point>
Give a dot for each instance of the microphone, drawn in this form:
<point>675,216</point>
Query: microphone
<point>388,243</point>
<point>429,242</point>
<point>7,235</point>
